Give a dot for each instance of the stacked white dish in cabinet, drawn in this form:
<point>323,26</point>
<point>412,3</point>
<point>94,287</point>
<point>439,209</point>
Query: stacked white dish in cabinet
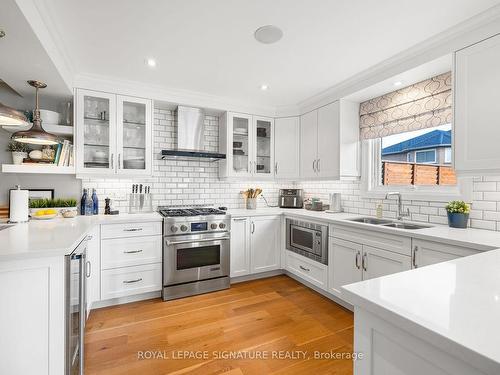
<point>131,259</point>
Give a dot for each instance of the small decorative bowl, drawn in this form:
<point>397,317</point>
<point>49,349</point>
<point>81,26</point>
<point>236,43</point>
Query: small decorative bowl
<point>68,214</point>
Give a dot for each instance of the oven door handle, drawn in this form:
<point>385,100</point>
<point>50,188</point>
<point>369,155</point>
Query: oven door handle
<point>170,243</point>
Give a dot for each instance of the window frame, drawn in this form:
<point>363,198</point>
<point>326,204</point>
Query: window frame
<point>450,154</point>
<point>426,162</point>
<point>371,163</point>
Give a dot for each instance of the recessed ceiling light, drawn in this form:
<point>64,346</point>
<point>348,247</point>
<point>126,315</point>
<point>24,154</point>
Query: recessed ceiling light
<point>398,83</point>
<point>151,62</point>
<point>268,34</point>
<point>264,87</point>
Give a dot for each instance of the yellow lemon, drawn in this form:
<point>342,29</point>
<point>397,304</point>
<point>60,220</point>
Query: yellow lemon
<point>50,212</point>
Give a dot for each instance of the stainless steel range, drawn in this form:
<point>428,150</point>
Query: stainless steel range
<point>195,250</point>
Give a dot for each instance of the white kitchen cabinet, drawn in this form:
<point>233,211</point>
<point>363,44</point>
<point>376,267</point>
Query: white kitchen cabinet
<point>131,259</point>
<point>378,262</point>
<point>475,131</point>
<point>32,317</point>
<point>248,142</point>
<point>113,134</point>
<point>93,268</point>
<point>255,245</point>
<point>308,144</point>
<point>344,264</point>
<point>264,243</point>
<point>329,141</point>
<point>240,247</point>
<point>307,269</point>
<point>350,262</point>
<point>425,252</point>
<point>286,147</point>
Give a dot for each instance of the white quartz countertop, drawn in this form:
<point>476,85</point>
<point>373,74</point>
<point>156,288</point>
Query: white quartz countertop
<point>39,238</point>
<point>453,305</point>
<point>478,239</point>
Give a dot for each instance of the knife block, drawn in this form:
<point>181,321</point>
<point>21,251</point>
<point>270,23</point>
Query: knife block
<point>140,203</point>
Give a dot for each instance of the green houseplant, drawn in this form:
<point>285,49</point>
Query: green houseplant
<point>458,214</point>
<point>19,151</point>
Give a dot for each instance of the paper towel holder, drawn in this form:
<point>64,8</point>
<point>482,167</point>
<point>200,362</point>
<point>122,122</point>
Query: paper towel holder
<point>18,188</point>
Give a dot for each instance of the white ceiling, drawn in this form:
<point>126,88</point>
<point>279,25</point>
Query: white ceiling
<point>420,73</point>
<point>207,46</point>
<point>23,57</point>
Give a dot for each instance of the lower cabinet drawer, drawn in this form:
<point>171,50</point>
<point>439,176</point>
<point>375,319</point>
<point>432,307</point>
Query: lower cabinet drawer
<point>128,281</point>
<point>314,272</point>
<point>134,251</point>
<point>120,230</point>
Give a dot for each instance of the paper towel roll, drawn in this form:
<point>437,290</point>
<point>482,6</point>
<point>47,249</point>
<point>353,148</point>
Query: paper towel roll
<point>19,206</point>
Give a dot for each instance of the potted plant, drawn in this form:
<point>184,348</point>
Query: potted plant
<point>19,151</point>
<point>50,206</point>
<point>458,214</point>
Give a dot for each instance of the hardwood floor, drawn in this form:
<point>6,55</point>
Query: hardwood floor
<point>270,317</point>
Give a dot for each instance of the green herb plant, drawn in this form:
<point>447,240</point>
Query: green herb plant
<point>51,203</point>
<point>17,147</point>
<point>458,207</point>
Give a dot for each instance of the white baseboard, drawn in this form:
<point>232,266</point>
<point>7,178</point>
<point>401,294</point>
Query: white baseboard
<point>335,299</point>
<point>256,276</point>
<point>128,299</point>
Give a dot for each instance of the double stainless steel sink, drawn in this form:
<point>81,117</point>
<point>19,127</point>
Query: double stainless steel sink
<point>389,223</point>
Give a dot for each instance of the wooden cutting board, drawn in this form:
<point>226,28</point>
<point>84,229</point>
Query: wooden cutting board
<point>4,212</point>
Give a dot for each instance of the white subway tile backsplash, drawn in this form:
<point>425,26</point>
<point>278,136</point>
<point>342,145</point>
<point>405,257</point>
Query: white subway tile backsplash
<point>197,182</point>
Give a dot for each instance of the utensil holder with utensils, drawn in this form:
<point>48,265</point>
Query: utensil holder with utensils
<point>250,197</point>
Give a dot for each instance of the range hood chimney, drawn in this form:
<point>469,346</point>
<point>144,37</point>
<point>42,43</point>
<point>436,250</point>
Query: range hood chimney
<point>190,137</point>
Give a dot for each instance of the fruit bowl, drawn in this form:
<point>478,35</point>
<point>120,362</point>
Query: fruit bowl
<point>44,217</point>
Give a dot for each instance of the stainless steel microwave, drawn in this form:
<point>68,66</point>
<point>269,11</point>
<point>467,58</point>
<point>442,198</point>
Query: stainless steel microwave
<point>307,239</point>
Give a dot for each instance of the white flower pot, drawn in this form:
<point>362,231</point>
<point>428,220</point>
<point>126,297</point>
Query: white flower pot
<point>17,157</point>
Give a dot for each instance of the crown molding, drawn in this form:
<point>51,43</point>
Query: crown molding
<point>169,95</point>
<point>38,17</point>
<point>479,27</point>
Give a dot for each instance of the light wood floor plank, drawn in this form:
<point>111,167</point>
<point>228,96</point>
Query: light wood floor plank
<point>268,316</point>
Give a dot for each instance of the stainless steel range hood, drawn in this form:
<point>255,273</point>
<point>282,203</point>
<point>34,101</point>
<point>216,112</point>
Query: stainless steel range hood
<point>190,137</point>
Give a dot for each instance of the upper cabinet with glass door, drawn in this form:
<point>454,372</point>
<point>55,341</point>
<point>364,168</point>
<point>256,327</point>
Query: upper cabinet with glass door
<point>114,134</point>
<point>134,135</point>
<point>95,131</point>
<point>248,142</point>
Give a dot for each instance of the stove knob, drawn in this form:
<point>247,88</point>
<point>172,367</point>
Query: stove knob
<point>222,225</point>
<point>213,226</point>
<point>173,228</point>
<point>184,228</point>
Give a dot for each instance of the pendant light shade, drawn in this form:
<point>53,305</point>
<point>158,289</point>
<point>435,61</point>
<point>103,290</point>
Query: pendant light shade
<point>36,135</point>
<point>11,116</point>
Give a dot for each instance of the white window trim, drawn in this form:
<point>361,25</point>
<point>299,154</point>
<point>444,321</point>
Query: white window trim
<point>450,159</point>
<point>370,188</point>
<point>426,162</point>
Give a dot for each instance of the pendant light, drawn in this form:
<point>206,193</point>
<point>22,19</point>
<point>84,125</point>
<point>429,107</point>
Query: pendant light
<point>36,135</point>
<point>12,117</point>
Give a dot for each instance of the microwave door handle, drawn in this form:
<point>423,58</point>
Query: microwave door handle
<point>170,243</point>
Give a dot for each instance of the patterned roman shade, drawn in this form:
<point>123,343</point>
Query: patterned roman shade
<point>423,105</point>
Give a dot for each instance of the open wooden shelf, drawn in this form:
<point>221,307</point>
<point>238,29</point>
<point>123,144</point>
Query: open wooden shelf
<point>62,130</point>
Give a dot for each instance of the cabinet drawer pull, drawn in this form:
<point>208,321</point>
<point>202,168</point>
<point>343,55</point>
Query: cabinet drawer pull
<point>239,218</point>
<point>112,161</point>
<point>414,260</point>
<point>304,269</point>
<point>357,259</point>
<point>363,262</point>
<point>132,252</point>
<point>132,230</point>
<point>132,281</point>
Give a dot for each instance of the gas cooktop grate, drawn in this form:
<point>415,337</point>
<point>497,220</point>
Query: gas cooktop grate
<point>180,212</point>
